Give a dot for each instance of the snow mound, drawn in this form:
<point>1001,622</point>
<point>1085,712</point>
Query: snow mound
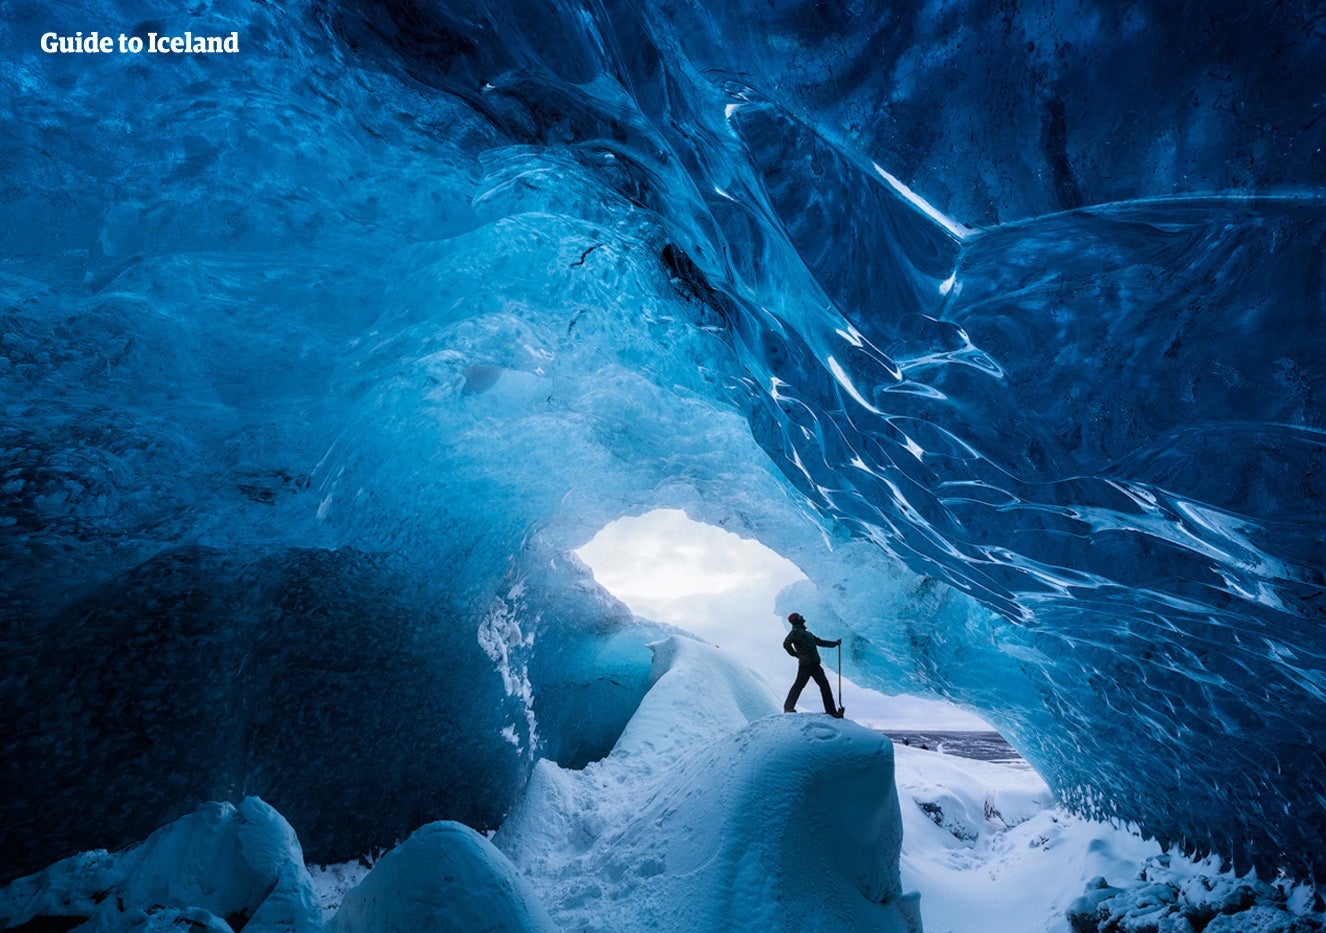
<point>219,866</point>
<point>444,877</point>
<point>715,811</point>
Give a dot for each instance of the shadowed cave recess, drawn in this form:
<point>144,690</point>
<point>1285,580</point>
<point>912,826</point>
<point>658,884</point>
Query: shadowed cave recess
<point>1003,323</point>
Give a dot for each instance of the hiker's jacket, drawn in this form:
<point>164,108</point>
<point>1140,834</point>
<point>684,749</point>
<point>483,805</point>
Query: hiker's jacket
<point>800,644</point>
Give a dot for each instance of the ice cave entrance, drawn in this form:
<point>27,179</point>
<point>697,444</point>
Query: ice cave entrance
<point>667,567</point>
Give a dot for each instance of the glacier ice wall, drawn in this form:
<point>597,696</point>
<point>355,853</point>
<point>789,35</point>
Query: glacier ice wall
<point>316,359</point>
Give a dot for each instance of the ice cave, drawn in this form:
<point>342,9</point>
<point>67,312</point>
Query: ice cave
<point>323,353</point>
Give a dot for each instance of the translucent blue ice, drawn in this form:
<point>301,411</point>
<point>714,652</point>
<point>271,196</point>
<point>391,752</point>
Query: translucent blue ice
<point>317,359</point>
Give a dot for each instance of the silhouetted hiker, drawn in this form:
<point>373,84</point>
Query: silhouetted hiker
<point>800,644</point>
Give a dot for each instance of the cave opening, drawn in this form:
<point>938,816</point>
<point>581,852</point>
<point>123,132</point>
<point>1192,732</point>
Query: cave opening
<point>734,593</point>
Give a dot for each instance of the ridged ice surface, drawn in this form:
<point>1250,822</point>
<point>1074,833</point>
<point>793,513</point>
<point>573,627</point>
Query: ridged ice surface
<point>330,349</point>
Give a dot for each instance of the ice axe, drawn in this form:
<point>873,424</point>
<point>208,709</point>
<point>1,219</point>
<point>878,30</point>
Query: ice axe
<point>841,709</point>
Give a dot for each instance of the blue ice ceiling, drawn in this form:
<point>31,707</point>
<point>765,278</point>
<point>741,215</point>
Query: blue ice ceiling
<point>316,359</point>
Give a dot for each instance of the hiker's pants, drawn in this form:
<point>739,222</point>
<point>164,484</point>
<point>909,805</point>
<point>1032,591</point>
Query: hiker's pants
<point>804,673</point>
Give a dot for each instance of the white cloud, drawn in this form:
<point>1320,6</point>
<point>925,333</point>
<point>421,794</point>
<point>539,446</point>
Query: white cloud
<point>664,556</point>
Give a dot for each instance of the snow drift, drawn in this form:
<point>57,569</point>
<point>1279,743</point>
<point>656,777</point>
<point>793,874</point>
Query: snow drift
<point>715,811</point>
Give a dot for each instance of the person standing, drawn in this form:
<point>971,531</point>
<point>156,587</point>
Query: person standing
<point>801,644</point>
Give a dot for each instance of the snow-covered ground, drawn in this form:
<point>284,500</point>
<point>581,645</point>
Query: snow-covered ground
<point>990,851</point>
<point>984,844</point>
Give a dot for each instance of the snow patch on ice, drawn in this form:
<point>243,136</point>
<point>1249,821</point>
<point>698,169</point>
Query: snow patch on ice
<point>507,647</point>
<point>332,882</point>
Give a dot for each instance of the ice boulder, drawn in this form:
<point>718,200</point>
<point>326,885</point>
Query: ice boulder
<point>444,877</point>
<point>715,812</point>
<point>218,868</point>
<point>1177,895</point>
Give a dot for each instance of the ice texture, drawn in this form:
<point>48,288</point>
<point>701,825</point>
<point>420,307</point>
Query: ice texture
<point>316,361</point>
